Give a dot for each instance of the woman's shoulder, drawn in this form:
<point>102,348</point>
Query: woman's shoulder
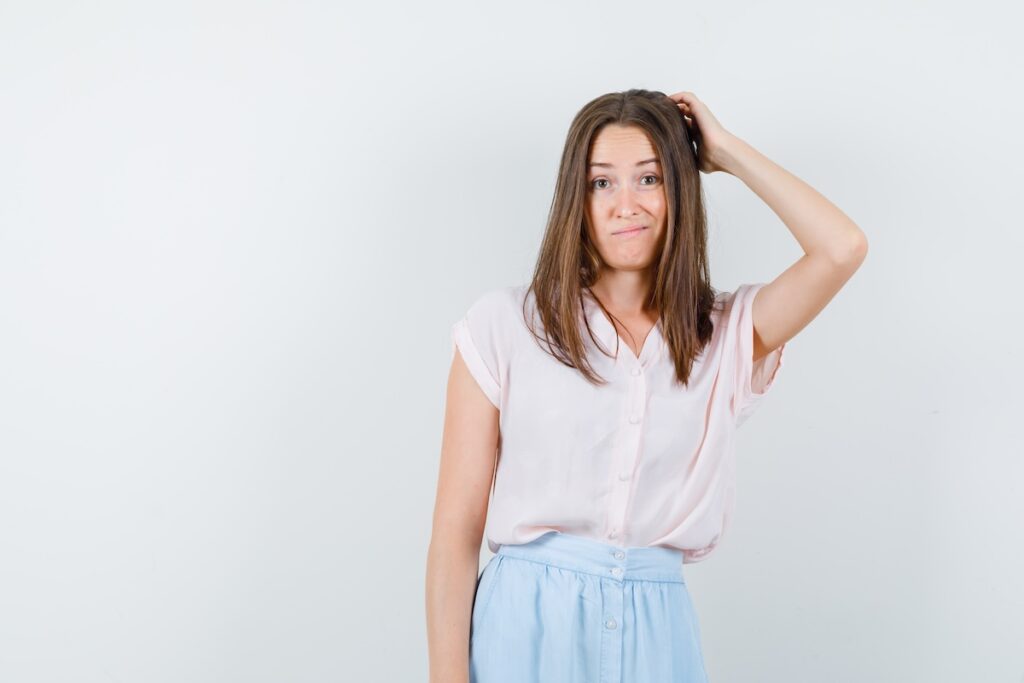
<point>732,301</point>
<point>499,308</point>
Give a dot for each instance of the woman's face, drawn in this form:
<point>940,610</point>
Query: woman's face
<point>625,190</point>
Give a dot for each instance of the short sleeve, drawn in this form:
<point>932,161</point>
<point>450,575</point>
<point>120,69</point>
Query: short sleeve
<point>482,339</point>
<point>751,381</point>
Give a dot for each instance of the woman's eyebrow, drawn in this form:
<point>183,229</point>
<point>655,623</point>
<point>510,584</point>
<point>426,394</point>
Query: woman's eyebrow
<point>639,163</point>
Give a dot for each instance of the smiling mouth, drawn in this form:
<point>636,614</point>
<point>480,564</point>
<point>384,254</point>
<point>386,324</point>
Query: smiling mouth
<point>631,231</point>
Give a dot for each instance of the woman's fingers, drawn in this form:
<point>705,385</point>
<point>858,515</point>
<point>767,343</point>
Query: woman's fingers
<point>685,97</point>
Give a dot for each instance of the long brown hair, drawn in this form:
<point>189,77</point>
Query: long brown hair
<point>568,261</point>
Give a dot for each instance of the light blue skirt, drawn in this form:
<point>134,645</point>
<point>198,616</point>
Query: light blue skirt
<point>569,609</point>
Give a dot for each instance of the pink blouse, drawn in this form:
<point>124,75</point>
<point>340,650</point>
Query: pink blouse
<point>640,461</point>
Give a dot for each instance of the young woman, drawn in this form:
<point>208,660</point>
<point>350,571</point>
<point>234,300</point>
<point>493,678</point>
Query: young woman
<point>602,399</point>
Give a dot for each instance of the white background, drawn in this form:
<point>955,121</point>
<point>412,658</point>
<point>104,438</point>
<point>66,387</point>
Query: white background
<point>234,237</point>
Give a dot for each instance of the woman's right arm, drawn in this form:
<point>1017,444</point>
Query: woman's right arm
<point>468,456</point>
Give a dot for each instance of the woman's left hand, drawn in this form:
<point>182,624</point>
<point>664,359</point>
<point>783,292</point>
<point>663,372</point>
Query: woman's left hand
<point>711,138</point>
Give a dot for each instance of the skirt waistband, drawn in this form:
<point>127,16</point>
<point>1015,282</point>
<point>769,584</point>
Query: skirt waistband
<point>577,553</point>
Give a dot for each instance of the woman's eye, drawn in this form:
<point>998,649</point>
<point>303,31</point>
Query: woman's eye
<point>654,179</point>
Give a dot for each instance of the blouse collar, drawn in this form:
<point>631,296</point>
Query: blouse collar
<point>605,332</point>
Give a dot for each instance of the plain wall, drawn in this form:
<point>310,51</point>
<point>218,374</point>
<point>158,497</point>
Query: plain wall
<point>234,238</point>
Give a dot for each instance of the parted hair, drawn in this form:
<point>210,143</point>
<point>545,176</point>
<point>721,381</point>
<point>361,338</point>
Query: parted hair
<point>568,262</point>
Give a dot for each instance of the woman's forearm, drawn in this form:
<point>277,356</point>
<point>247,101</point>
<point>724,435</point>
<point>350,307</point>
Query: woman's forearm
<point>452,568</point>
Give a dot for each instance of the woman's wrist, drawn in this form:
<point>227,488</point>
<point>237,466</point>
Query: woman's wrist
<point>728,155</point>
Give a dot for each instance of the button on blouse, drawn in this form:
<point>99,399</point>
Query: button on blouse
<point>640,461</point>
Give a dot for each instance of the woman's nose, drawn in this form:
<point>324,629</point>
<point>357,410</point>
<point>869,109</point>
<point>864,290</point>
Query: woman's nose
<point>626,202</point>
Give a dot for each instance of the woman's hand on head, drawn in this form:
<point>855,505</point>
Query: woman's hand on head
<point>711,137</point>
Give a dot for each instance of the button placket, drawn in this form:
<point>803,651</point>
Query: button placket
<point>630,444</point>
<point>618,569</point>
<point>637,396</point>
<point>613,600</point>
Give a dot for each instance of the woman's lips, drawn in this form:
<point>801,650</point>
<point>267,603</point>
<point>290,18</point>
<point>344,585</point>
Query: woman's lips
<point>631,231</point>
